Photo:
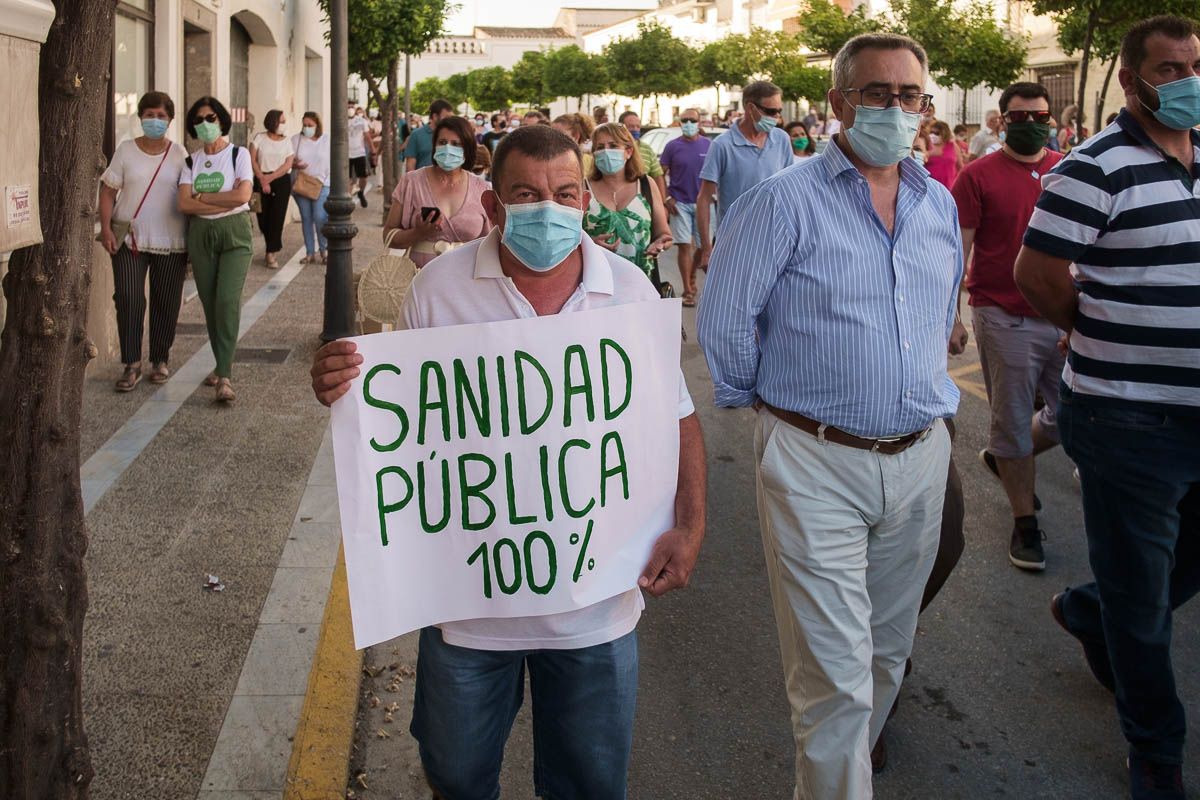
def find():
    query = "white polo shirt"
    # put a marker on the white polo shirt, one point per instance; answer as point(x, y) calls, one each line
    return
point(466, 286)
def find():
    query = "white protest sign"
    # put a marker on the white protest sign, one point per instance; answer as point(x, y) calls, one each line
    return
point(506, 469)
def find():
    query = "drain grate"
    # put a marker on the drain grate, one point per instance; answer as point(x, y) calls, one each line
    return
point(261, 355)
point(191, 329)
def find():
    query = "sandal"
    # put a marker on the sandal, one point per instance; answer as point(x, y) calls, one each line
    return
point(212, 379)
point(271, 262)
point(225, 391)
point(159, 373)
point(129, 378)
point(324, 257)
point(689, 299)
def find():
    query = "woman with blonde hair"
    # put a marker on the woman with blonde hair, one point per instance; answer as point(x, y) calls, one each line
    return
point(580, 128)
point(627, 214)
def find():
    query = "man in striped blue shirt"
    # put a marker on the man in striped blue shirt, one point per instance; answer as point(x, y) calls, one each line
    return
point(1112, 256)
point(833, 319)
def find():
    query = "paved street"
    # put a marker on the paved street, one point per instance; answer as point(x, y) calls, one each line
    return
point(999, 704)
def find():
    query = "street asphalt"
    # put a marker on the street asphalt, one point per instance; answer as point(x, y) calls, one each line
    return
point(999, 703)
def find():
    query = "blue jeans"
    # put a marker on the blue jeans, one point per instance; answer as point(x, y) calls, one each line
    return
point(1139, 469)
point(583, 704)
point(313, 219)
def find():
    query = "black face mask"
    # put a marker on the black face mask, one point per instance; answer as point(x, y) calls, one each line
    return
point(1027, 138)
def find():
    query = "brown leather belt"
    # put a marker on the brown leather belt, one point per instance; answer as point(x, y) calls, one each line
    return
point(827, 433)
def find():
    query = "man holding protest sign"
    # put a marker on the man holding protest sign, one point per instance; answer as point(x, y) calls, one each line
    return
point(582, 662)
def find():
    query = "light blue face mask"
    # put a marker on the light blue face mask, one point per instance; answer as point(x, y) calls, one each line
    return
point(449, 156)
point(155, 128)
point(1178, 103)
point(883, 136)
point(764, 124)
point(690, 128)
point(610, 162)
point(542, 235)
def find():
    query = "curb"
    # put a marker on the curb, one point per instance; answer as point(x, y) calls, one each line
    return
point(320, 761)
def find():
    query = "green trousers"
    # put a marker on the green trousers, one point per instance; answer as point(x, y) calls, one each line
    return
point(220, 251)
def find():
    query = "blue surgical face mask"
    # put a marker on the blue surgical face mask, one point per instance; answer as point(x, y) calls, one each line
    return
point(448, 156)
point(155, 128)
point(690, 128)
point(610, 162)
point(309, 131)
point(636, 135)
point(764, 124)
point(882, 136)
point(542, 235)
point(1178, 103)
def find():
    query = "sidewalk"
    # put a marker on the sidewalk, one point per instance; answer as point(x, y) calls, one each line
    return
point(190, 692)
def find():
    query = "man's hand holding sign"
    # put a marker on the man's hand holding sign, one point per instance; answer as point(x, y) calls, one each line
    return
point(514, 475)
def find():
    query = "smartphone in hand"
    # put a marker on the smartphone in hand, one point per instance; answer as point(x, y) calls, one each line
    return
point(430, 214)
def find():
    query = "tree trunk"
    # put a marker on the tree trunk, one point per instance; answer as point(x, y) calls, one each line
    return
point(717, 110)
point(43, 354)
point(1112, 66)
point(1085, 61)
point(407, 87)
point(962, 119)
point(387, 154)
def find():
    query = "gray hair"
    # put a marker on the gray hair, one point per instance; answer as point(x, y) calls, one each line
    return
point(843, 62)
point(758, 91)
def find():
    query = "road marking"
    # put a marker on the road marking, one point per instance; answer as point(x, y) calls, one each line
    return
point(970, 387)
point(101, 471)
point(320, 762)
point(965, 369)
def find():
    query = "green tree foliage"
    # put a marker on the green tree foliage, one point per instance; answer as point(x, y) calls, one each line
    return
point(826, 27)
point(570, 72)
point(725, 62)
point(490, 88)
point(653, 62)
point(771, 53)
point(965, 44)
point(458, 89)
point(802, 82)
point(529, 79)
point(1093, 28)
point(427, 90)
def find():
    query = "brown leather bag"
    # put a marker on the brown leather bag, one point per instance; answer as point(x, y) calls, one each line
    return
point(306, 185)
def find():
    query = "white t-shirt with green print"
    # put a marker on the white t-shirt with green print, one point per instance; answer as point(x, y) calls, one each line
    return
point(217, 173)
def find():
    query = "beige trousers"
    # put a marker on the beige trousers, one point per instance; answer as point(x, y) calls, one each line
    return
point(849, 537)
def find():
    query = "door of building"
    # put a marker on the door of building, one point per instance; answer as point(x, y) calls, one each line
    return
point(1059, 81)
point(239, 81)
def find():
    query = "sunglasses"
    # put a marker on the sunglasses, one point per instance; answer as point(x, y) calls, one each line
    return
point(770, 112)
point(688, 119)
point(205, 118)
point(1027, 116)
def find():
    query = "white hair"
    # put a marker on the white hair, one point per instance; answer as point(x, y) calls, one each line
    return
point(843, 62)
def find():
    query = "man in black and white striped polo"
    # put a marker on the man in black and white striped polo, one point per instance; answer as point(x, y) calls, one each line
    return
point(1125, 207)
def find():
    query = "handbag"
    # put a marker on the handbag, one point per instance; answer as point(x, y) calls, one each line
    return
point(306, 185)
point(255, 202)
point(121, 228)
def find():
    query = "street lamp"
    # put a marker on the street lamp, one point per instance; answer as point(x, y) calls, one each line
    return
point(340, 230)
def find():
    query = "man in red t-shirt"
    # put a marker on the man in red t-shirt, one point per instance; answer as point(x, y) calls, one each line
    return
point(1018, 350)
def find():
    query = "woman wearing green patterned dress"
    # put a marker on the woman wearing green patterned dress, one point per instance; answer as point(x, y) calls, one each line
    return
point(626, 214)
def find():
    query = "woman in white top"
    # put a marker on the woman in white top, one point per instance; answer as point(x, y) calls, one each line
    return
point(137, 198)
point(272, 155)
point(311, 146)
point(214, 189)
point(137, 194)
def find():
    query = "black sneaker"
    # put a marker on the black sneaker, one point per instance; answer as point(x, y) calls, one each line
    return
point(1094, 653)
point(362, 198)
point(1152, 780)
point(989, 461)
point(1025, 550)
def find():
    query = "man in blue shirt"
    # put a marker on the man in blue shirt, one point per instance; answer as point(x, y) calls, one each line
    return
point(754, 149)
point(833, 321)
point(682, 159)
point(418, 152)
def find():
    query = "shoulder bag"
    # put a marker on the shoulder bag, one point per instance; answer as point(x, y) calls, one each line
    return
point(120, 228)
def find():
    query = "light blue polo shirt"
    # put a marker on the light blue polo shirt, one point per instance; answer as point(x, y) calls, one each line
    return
point(736, 164)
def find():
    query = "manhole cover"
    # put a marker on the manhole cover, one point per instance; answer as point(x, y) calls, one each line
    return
point(191, 329)
point(261, 355)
